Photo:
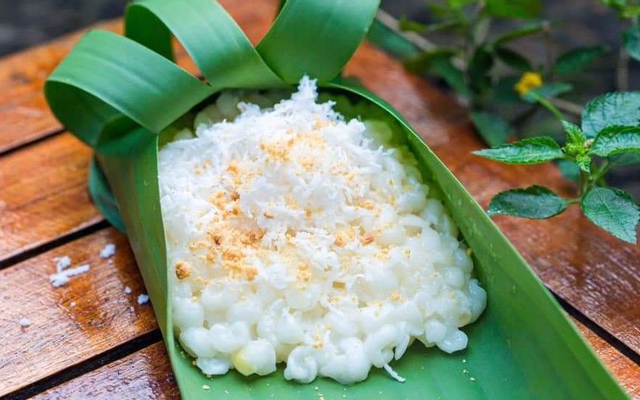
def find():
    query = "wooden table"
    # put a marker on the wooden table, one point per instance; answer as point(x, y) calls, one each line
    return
point(90, 338)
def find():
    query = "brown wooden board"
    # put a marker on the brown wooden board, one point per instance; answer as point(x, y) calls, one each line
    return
point(145, 374)
point(89, 316)
point(43, 200)
point(43, 194)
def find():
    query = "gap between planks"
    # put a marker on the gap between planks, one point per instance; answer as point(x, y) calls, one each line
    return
point(94, 363)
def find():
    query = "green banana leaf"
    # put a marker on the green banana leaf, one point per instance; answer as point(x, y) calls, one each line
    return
point(118, 94)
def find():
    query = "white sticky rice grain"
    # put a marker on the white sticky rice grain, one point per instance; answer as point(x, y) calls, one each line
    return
point(108, 251)
point(143, 299)
point(295, 235)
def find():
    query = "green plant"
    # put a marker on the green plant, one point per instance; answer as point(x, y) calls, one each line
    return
point(483, 67)
point(629, 12)
point(609, 137)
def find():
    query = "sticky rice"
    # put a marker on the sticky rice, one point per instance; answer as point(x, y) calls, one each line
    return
point(295, 235)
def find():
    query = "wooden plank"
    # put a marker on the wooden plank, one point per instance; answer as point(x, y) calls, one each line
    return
point(147, 373)
point(588, 269)
point(591, 270)
point(24, 115)
point(625, 370)
point(43, 194)
point(69, 324)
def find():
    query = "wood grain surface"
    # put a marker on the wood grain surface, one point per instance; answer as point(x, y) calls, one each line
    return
point(43, 194)
point(146, 373)
point(90, 315)
point(43, 200)
point(24, 114)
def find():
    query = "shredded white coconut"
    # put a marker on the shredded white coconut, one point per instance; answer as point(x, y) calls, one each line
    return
point(143, 299)
point(294, 235)
point(127, 290)
point(108, 251)
point(62, 263)
point(393, 373)
point(63, 276)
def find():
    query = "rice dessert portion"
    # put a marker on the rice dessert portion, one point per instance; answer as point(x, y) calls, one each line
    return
point(297, 236)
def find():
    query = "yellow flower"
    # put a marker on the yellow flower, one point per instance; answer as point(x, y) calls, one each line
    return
point(528, 81)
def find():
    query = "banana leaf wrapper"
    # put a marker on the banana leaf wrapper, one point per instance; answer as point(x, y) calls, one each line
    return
point(119, 93)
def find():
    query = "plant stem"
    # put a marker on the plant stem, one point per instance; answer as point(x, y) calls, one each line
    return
point(583, 183)
point(604, 168)
point(622, 70)
point(546, 29)
point(567, 106)
point(546, 104)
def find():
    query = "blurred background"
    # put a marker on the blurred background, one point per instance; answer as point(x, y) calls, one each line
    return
point(25, 23)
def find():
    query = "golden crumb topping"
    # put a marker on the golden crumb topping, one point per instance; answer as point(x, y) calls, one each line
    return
point(183, 270)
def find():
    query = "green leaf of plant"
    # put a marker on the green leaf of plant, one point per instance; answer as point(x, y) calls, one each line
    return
point(569, 169)
point(614, 210)
point(450, 73)
point(533, 150)
point(631, 11)
point(534, 202)
point(578, 59)
point(440, 11)
point(574, 133)
point(547, 91)
point(623, 160)
point(493, 129)
point(584, 162)
point(525, 9)
point(458, 4)
point(616, 139)
point(528, 29)
point(513, 59)
point(423, 61)
point(618, 108)
point(479, 68)
point(631, 41)
point(406, 25)
point(504, 92)
point(390, 40)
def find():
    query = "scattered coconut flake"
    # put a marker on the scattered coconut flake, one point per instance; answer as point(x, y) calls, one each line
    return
point(131, 309)
point(206, 387)
point(127, 290)
point(62, 263)
point(143, 299)
point(73, 304)
point(108, 251)
point(62, 277)
point(393, 373)
point(25, 322)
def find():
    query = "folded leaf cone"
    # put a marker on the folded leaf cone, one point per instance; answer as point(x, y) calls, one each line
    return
point(118, 93)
